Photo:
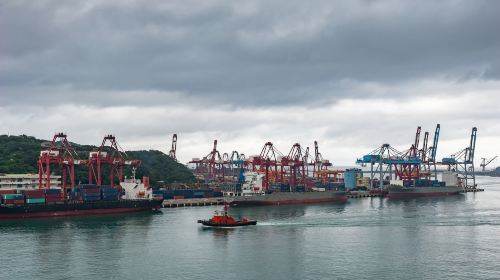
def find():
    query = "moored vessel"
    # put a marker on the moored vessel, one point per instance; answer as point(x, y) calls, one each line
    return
point(283, 198)
point(451, 185)
point(253, 194)
point(410, 192)
point(132, 196)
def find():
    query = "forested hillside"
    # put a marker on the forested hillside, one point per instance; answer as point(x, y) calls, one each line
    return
point(19, 154)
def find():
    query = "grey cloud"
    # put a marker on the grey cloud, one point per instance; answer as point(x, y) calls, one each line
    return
point(249, 53)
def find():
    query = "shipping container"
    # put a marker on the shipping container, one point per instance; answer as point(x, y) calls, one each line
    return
point(168, 194)
point(158, 196)
point(218, 194)
point(39, 191)
point(13, 196)
point(110, 197)
point(84, 196)
point(87, 186)
point(208, 194)
point(188, 194)
point(8, 192)
point(54, 195)
point(53, 191)
point(13, 201)
point(34, 196)
point(35, 200)
point(90, 191)
point(91, 198)
point(178, 192)
point(53, 199)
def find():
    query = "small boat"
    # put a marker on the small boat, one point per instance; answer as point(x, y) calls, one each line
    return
point(222, 219)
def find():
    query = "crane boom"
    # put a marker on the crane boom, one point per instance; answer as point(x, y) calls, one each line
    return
point(435, 142)
point(485, 162)
point(173, 149)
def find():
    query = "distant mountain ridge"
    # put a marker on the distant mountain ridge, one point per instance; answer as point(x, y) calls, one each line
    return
point(19, 154)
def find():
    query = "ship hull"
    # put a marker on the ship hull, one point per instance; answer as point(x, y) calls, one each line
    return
point(27, 211)
point(399, 193)
point(209, 223)
point(286, 198)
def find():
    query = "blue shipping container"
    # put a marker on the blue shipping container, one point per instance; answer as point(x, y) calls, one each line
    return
point(88, 186)
point(178, 193)
point(91, 198)
point(218, 194)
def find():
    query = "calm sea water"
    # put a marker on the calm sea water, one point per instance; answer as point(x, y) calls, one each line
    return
point(440, 238)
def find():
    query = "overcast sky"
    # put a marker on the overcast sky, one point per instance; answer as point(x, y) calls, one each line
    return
point(350, 74)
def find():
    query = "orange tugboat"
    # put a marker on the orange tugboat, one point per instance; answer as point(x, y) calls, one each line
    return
point(222, 219)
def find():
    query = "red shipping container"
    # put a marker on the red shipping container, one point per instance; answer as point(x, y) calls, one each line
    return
point(54, 196)
point(13, 201)
point(34, 191)
point(90, 190)
point(34, 195)
point(8, 192)
point(54, 199)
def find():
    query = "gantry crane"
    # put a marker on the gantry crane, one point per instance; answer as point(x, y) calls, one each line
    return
point(62, 154)
point(463, 162)
point(173, 149)
point(112, 156)
point(485, 162)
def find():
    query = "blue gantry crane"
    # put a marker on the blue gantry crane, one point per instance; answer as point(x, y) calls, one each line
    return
point(463, 162)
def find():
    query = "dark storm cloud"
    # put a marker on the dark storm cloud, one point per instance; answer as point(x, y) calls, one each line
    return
point(269, 52)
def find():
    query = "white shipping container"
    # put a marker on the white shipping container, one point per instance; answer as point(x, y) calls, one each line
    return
point(397, 182)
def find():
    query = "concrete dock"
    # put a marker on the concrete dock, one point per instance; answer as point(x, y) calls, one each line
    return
point(193, 202)
point(171, 203)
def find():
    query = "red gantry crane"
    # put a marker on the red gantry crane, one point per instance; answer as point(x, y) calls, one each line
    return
point(267, 163)
point(61, 154)
point(295, 165)
point(112, 156)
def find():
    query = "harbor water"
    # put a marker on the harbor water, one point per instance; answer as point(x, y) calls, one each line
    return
point(456, 237)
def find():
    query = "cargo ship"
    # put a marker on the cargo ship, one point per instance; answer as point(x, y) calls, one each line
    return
point(426, 188)
point(132, 196)
point(253, 194)
point(410, 192)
